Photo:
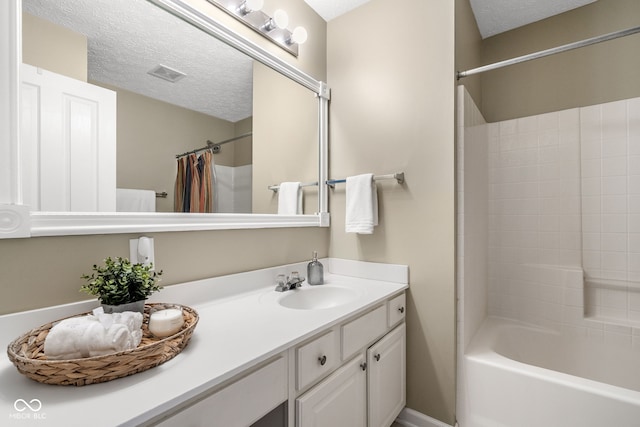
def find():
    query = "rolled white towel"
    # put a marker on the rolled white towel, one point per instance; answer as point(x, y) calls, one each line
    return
point(65, 339)
point(93, 335)
point(112, 340)
point(132, 320)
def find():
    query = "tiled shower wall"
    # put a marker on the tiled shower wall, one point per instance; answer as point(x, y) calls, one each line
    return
point(472, 220)
point(233, 189)
point(534, 216)
point(563, 196)
point(610, 155)
point(472, 232)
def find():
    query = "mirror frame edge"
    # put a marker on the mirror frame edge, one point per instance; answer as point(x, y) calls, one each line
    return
point(16, 221)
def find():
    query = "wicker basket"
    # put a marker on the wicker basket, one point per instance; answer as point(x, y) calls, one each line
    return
point(27, 354)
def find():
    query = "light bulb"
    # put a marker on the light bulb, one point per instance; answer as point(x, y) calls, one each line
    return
point(254, 5)
point(280, 18)
point(299, 35)
point(249, 6)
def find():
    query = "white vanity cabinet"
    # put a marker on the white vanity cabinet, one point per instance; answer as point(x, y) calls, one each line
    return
point(239, 403)
point(368, 390)
point(253, 360)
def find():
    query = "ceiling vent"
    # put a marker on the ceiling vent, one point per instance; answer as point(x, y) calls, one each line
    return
point(166, 73)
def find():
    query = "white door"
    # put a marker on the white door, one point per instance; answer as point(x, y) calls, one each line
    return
point(68, 138)
point(338, 401)
point(386, 363)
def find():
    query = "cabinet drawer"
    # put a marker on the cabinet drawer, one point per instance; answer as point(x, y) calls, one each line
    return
point(317, 358)
point(264, 389)
point(358, 333)
point(397, 309)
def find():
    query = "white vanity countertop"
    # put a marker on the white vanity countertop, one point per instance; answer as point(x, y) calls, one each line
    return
point(240, 326)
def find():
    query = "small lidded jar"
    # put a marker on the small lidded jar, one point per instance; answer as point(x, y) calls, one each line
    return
point(166, 321)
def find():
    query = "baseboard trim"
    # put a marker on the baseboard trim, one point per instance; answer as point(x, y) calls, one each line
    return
point(410, 418)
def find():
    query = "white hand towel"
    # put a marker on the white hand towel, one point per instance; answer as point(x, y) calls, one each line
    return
point(132, 200)
point(362, 204)
point(290, 198)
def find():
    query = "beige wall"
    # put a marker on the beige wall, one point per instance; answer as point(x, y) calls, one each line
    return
point(468, 48)
point(392, 110)
point(242, 148)
point(286, 139)
point(183, 256)
point(53, 47)
point(591, 75)
point(46, 271)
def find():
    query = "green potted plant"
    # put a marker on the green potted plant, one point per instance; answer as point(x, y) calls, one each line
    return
point(120, 285)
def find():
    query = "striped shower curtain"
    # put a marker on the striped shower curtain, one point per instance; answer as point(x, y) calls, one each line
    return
point(195, 183)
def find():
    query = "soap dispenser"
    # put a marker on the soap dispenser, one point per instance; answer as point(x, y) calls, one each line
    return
point(315, 271)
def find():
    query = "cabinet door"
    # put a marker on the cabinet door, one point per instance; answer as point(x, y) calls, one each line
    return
point(338, 401)
point(386, 363)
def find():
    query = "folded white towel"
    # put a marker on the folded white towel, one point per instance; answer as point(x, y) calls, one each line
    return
point(362, 204)
point(290, 198)
point(132, 200)
point(93, 335)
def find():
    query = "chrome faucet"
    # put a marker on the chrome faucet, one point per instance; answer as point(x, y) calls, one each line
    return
point(292, 282)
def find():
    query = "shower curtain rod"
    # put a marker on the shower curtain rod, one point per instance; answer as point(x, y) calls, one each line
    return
point(215, 146)
point(547, 52)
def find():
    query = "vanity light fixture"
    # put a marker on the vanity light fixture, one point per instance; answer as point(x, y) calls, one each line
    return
point(249, 6)
point(273, 28)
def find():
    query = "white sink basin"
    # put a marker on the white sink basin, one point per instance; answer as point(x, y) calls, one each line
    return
point(317, 297)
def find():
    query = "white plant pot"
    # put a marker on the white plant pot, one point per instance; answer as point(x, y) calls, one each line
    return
point(137, 306)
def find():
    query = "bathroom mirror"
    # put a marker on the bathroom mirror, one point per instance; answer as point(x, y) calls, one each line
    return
point(274, 136)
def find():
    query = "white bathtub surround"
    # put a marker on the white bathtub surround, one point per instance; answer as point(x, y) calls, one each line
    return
point(233, 189)
point(472, 231)
point(534, 214)
point(563, 189)
point(611, 210)
point(237, 331)
point(561, 198)
point(568, 382)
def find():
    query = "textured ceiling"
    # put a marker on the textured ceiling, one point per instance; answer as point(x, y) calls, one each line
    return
point(128, 38)
point(493, 16)
point(497, 16)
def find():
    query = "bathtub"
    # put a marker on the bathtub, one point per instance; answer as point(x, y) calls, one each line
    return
point(516, 375)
